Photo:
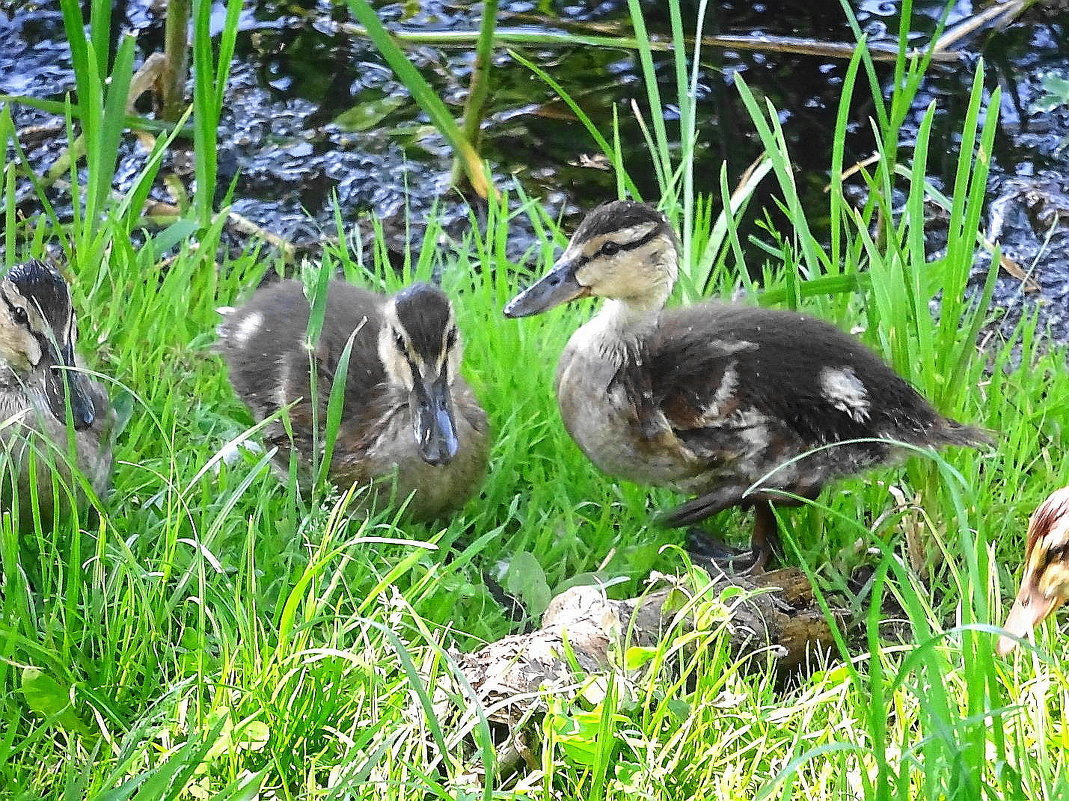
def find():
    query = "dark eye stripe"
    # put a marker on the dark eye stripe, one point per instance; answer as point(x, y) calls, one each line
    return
point(637, 243)
point(606, 247)
point(412, 366)
point(1055, 554)
point(17, 312)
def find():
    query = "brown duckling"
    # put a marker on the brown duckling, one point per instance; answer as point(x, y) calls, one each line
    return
point(40, 383)
point(1045, 583)
point(715, 400)
point(410, 424)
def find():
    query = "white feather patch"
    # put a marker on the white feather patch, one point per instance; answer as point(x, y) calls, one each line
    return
point(844, 391)
point(712, 413)
point(245, 329)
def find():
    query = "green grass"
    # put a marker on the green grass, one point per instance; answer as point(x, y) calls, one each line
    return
point(214, 632)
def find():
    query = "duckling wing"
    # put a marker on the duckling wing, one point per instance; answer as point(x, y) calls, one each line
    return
point(729, 378)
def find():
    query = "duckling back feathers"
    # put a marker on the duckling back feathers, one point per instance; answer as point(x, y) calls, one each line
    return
point(263, 343)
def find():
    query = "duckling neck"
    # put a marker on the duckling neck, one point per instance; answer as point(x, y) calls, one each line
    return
point(621, 325)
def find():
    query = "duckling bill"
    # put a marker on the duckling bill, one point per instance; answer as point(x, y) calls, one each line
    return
point(1045, 582)
point(40, 384)
point(410, 424)
point(716, 401)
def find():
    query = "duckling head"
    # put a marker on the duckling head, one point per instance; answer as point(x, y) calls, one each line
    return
point(622, 250)
point(1045, 583)
point(37, 337)
point(419, 346)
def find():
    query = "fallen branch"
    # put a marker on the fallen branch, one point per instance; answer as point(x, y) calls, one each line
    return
point(770, 617)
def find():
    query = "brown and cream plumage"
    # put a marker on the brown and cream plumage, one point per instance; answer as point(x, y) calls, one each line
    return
point(715, 400)
point(1045, 581)
point(42, 389)
point(410, 424)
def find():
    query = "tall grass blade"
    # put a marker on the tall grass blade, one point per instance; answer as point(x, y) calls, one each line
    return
point(423, 94)
point(662, 158)
point(176, 52)
point(205, 113)
point(104, 155)
point(611, 152)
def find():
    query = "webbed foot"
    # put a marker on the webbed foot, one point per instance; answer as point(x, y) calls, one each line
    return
point(711, 552)
point(764, 544)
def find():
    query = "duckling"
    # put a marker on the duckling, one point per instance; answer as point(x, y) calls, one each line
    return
point(1045, 583)
point(715, 400)
point(38, 331)
point(410, 424)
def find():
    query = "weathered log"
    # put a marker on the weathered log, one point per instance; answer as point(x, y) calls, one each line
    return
point(770, 617)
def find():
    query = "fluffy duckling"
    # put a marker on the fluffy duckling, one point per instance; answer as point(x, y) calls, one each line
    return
point(1045, 583)
point(39, 382)
point(410, 424)
point(715, 400)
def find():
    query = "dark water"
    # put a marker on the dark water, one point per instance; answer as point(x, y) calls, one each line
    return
point(312, 113)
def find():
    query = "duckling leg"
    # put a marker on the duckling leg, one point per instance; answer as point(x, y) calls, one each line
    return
point(704, 506)
point(703, 546)
point(765, 541)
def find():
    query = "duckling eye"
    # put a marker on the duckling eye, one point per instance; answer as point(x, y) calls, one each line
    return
point(399, 341)
point(451, 339)
point(20, 315)
point(610, 249)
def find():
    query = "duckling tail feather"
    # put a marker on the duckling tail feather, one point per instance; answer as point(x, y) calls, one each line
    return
point(955, 433)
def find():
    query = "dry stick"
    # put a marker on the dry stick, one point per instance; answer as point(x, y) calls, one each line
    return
point(165, 213)
point(880, 51)
point(584, 634)
point(999, 14)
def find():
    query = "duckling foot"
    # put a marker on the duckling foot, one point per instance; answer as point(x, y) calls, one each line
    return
point(706, 550)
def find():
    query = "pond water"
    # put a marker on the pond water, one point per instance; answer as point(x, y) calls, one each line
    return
point(313, 113)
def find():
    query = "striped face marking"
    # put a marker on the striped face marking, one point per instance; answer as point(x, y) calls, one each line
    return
point(419, 337)
point(419, 346)
point(38, 333)
point(1045, 583)
point(36, 312)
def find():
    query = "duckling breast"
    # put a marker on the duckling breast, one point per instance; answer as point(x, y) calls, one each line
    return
point(34, 434)
point(390, 463)
point(603, 420)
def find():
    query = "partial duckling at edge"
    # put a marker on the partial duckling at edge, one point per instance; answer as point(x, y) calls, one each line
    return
point(1045, 582)
point(41, 383)
point(410, 423)
point(716, 400)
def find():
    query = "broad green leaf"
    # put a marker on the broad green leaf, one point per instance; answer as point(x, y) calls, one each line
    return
point(366, 115)
point(527, 579)
point(49, 699)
